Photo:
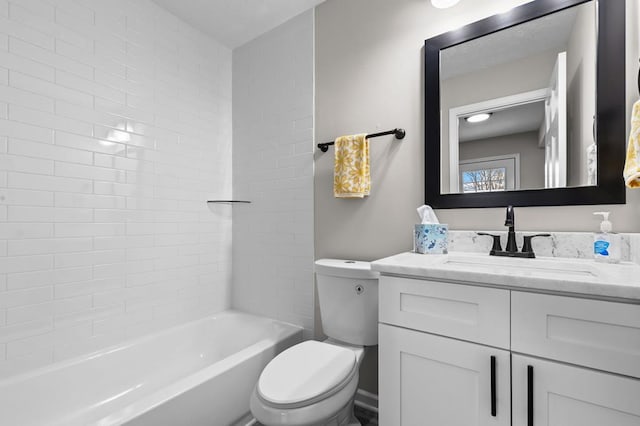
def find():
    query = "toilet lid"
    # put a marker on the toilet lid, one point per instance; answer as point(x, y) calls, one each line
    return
point(305, 371)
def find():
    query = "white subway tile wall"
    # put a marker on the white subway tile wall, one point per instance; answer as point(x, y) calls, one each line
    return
point(273, 167)
point(115, 128)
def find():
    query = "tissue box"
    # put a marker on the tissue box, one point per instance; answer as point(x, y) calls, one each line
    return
point(431, 238)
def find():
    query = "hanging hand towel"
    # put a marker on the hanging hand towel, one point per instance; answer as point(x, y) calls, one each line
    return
point(351, 173)
point(632, 164)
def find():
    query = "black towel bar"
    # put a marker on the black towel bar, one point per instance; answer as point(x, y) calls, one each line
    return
point(399, 134)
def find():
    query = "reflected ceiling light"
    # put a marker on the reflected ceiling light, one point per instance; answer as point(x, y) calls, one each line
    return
point(477, 118)
point(443, 4)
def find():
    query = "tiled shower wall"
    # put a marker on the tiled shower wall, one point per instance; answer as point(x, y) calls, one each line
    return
point(115, 127)
point(273, 167)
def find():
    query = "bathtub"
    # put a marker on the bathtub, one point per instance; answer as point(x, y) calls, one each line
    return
point(199, 373)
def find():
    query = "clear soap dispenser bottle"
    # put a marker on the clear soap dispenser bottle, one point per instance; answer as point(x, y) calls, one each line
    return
point(606, 244)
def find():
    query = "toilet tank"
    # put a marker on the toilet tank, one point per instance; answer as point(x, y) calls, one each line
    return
point(348, 300)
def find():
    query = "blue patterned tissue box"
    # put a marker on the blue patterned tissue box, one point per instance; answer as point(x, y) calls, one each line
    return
point(430, 238)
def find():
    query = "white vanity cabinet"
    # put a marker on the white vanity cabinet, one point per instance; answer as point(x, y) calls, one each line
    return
point(429, 379)
point(557, 360)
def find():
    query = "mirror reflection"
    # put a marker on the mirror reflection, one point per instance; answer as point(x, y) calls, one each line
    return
point(518, 106)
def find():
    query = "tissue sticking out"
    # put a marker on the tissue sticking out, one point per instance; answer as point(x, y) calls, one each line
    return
point(430, 236)
point(427, 215)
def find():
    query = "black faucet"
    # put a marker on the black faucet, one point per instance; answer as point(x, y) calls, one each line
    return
point(512, 247)
point(510, 221)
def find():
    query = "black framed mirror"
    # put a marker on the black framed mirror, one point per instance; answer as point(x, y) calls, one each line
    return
point(603, 143)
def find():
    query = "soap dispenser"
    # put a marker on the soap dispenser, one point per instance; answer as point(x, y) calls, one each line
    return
point(606, 244)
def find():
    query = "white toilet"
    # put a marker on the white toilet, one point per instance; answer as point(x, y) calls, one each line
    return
point(314, 383)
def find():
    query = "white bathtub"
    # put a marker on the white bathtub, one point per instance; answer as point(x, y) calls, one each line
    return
point(200, 373)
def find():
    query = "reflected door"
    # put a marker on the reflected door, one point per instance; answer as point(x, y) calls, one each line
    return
point(555, 140)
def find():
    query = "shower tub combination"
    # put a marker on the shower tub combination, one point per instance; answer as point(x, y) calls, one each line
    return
point(199, 373)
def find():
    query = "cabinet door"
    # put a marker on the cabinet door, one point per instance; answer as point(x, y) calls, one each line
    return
point(430, 380)
point(547, 393)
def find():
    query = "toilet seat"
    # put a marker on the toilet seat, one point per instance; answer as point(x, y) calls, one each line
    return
point(306, 374)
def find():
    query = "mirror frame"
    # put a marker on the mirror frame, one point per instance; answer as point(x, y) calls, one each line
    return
point(610, 111)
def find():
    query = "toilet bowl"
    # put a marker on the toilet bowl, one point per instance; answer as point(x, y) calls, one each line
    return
point(314, 383)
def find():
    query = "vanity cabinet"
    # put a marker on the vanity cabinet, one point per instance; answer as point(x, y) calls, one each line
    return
point(432, 380)
point(459, 355)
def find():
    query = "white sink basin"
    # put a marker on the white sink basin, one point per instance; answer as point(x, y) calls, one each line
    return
point(543, 267)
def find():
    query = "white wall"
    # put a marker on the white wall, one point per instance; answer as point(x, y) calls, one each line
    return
point(273, 167)
point(115, 127)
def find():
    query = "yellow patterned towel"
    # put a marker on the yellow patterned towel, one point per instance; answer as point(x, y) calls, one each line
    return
point(351, 173)
point(632, 164)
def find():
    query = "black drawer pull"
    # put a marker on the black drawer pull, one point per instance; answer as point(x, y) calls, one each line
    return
point(530, 395)
point(494, 409)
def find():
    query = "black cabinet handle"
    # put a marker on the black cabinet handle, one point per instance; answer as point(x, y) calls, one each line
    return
point(530, 395)
point(494, 409)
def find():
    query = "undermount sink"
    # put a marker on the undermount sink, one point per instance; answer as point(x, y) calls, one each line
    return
point(559, 267)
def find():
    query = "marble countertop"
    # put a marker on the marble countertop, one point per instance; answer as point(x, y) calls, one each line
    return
point(552, 274)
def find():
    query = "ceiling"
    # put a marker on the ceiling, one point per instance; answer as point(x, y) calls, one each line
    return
point(235, 22)
point(508, 121)
point(551, 32)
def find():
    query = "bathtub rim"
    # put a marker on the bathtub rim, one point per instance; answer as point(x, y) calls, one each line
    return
point(166, 394)
point(127, 343)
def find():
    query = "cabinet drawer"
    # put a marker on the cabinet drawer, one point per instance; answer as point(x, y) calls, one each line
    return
point(476, 314)
point(593, 333)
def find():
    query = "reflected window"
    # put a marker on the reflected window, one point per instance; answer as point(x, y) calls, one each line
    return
point(490, 174)
point(486, 180)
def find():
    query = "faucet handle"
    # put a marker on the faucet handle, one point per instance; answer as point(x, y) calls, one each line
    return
point(526, 246)
point(496, 242)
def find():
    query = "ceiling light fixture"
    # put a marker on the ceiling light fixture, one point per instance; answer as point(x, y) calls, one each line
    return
point(443, 4)
point(478, 118)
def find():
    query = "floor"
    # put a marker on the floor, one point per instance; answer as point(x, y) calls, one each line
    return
point(366, 417)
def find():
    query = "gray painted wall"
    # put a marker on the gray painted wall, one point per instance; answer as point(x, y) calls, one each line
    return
point(369, 76)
